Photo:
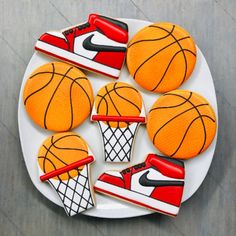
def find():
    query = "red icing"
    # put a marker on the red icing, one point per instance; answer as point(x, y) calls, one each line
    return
point(165, 167)
point(127, 180)
point(118, 118)
point(112, 31)
point(105, 58)
point(55, 41)
point(92, 17)
point(96, 23)
point(112, 180)
point(170, 194)
point(67, 168)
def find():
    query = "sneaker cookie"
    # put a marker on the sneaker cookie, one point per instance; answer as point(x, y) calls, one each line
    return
point(156, 184)
point(98, 45)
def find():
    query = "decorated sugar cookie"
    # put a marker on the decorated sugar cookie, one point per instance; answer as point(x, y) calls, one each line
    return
point(161, 57)
point(118, 109)
point(181, 124)
point(58, 96)
point(64, 161)
point(98, 45)
point(156, 184)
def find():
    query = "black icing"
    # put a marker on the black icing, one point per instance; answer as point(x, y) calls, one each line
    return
point(145, 181)
point(174, 161)
point(87, 44)
point(120, 24)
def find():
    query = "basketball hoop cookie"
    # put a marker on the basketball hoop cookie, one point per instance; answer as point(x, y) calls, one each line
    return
point(64, 161)
point(181, 124)
point(58, 96)
point(99, 45)
point(118, 109)
point(161, 57)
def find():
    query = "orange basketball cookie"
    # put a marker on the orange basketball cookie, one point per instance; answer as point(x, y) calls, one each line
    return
point(118, 99)
point(181, 124)
point(58, 96)
point(161, 57)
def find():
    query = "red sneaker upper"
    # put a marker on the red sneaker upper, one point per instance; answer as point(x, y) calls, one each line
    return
point(167, 185)
point(111, 28)
point(168, 167)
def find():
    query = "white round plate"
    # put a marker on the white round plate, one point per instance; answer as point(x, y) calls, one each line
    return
point(32, 136)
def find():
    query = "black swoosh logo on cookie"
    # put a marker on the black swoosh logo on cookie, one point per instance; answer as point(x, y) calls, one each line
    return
point(87, 44)
point(145, 181)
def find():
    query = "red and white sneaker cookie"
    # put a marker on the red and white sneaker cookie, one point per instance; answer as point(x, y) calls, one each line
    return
point(98, 45)
point(156, 184)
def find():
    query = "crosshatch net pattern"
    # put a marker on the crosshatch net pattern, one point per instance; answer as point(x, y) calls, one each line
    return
point(118, 141)
point(75, 192)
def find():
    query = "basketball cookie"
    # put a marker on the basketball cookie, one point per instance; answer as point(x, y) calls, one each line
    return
point(118, 109)
point(63, 161)
point(58, 96)
point(161, 57)
point(98, 45)
point(181, 124)
point(156, 184)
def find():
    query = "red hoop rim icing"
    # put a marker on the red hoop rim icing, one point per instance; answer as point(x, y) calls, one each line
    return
point(139, 119)
point(67, 168)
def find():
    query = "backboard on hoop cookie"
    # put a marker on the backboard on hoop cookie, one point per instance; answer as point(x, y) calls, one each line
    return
point(118, 109)
point(64, 160)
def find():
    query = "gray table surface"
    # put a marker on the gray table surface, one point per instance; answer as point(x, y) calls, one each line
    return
point(24, 211)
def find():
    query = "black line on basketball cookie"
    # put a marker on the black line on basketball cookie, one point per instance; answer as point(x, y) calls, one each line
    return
point(90, 104)
point(157, 53)
point(53, 143)
point(185, 60)
point(192, 108)
point(188, 130)
point(47, 108)
point(71, 106)
point(103, 97)
point(156, 39)
point(70, 78)
point(52, 75)
point(58, 158)
point(115, 89)
point(157, 108)
point(45, 158)
point(203, 124)
point(56, 73)
point(112, 101)
point(105, 103)
point(73, 149)
point(163, 76)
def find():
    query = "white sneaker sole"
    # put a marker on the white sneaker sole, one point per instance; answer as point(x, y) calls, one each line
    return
point(76, 59)
point(136, 198)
